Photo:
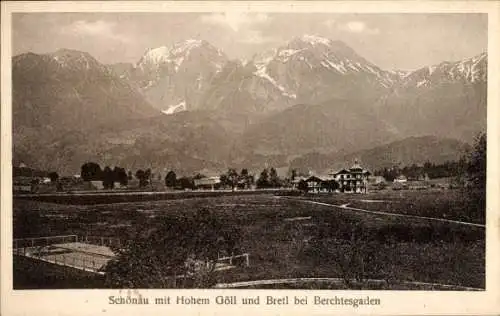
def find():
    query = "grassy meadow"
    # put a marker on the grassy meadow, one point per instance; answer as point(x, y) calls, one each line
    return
point(288, 238)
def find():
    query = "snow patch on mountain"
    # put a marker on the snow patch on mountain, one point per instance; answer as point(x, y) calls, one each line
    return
point(285, 54)
point(75, 59)
point(176, 55)
point(315, 40)
point(470, 70)
point(181, 106)
point(431, 69)
point(262, 72)
point(339, 67)
point(422, 83)
point(177, 62)
point(157, 55)
point(185, 46)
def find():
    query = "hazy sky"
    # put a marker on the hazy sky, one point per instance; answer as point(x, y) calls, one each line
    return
point(391, 41)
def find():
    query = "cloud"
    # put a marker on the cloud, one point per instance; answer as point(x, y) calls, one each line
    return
point(255, 37)
point(97, 28)
point(235, 20)
point(358, 27)
point(330, 23)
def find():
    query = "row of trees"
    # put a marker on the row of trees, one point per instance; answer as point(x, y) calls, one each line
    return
point(230, 179)
point(433, 171)
point(269, 179)
point(469, 166)
point(91, 171)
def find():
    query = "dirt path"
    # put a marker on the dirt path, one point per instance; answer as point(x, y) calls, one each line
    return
point(337, 281)
point(346, 207)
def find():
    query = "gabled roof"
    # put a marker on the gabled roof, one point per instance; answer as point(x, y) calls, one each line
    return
point(343, 171)
point(314, 178)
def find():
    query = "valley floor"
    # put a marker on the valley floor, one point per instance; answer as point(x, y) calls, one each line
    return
point(288, 237)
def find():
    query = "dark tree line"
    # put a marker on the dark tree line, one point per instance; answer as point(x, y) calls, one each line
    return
point(183, 183)
point(471, 166)
point(433, 171)
point(476, 172)
point(92, 171)
point(269, 179)
point(234, 180)
point(28, 172)
point(144, 177)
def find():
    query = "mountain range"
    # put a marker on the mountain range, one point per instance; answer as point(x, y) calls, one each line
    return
point(189, 107)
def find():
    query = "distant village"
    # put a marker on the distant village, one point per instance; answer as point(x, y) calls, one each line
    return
point(352, 179)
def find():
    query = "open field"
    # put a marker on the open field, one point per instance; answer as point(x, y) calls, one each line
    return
point(445, 204)
point(287, 238)
point(117, 196)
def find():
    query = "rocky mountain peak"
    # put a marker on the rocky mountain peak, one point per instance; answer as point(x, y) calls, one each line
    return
point(156, 55)
point(469, 70)
point(74, 59)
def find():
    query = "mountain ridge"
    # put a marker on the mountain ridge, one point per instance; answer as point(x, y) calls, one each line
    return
point(68, 107)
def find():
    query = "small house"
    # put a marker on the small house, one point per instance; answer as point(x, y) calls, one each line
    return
point(374, 180)
point(207, 183)
point(317, 184)
point(314, 184)
point(401, 179)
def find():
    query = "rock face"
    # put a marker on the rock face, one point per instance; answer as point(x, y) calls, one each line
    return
point(173, 79)
point(71, 90)
point(307, 70)
point(446, 100)
point(189, 107)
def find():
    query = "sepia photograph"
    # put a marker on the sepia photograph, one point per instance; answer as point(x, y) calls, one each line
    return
point(249, 150)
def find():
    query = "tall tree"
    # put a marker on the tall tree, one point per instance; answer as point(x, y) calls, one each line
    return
point(232, 176)
point(244, 178)
point(263, 181)
point(476, 173)
point(120, 176)
point(224, 180)
point(170, 179)
point(148, 174)
point(244, 172)
point(274, 180)
point(91, 171)
point(54, 176)
point(476, 168)
point(108, 178)
point(142, 177)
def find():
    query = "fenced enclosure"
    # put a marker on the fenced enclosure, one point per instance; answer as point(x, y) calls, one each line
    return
point(51, 240)
point(43, 241)
point(92, 253)
point(86, 253)
point(232, 260)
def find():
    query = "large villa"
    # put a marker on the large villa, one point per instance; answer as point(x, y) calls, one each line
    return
point(354, 179)
point(351, 180)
